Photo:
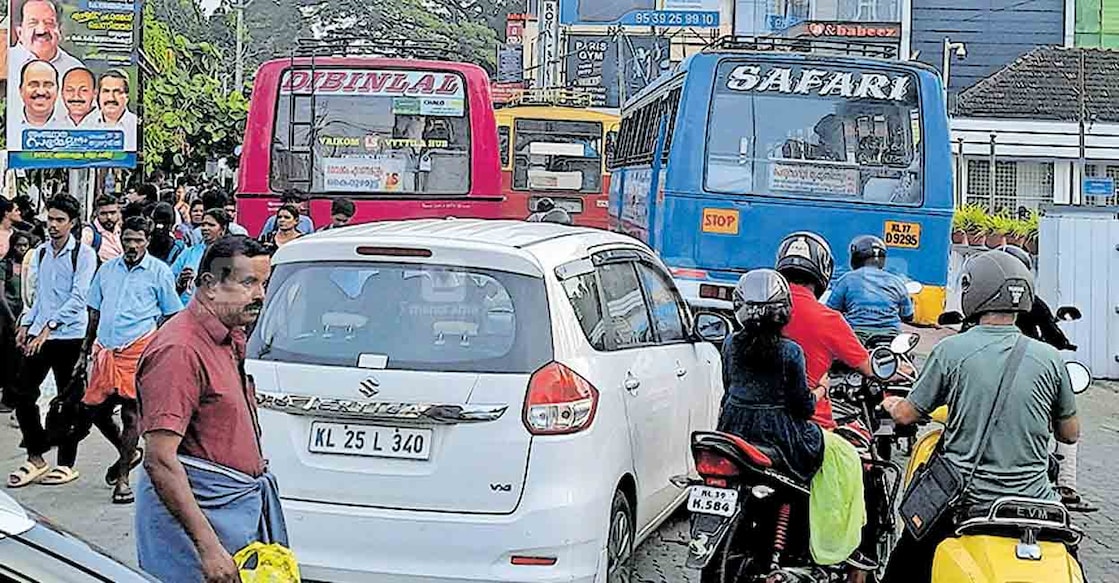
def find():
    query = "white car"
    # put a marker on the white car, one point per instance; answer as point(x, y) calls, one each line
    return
point(466, 400)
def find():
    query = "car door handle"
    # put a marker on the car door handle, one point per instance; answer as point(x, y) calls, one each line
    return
point(631, 383)
point(681, 372)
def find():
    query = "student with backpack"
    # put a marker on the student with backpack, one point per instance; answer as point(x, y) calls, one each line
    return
point(51, 333)
point(103, 232)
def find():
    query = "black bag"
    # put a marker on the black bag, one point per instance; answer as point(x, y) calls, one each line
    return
point(66, 414)
point(938, 484)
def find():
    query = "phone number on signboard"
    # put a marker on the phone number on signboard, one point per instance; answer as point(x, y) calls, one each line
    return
point(657, 18)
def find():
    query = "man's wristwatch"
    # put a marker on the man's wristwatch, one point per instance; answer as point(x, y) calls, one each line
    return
point(53, 325)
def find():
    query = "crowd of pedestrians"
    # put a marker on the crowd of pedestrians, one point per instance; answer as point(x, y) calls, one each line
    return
point(139, 309)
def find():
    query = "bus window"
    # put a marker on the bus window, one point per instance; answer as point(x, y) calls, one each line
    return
point(503, 144)
point(373, 142)
point(815, 132)
point(557, 155)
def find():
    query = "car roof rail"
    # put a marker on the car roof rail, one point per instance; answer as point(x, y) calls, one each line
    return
point(775, 44)
point(384, 47)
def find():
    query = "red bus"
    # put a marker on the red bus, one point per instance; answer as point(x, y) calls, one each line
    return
point(560, 153)
point(403, 138)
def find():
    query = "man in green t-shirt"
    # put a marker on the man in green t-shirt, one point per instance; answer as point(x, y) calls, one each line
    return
point(964, 373)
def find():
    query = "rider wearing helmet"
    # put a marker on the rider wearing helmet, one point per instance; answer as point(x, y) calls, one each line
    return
point(805, 260)
point(873, 300)
point(1040, 324)
point(767, 401)
point(965, 371)
point(548, 212)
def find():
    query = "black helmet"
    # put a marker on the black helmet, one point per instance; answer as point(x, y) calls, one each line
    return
point(868, 249)
point(995, 282)
point(806, 256)
point(545, 204)
point(1019, 254)
point(762, 295)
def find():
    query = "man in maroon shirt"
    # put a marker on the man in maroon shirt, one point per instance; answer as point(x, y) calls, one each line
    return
point(199, 421)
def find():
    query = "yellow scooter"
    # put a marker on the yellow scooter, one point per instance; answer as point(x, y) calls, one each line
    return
point(1017, 539)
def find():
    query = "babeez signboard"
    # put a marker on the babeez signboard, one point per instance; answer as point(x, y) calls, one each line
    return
point(72, 83)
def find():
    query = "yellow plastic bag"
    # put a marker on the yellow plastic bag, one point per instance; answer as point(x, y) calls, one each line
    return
point(261, 563)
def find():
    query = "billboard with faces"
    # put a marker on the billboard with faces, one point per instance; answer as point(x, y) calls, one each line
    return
point(72, 90)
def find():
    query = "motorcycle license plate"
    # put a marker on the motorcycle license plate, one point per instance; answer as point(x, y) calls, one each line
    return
point(717, 501)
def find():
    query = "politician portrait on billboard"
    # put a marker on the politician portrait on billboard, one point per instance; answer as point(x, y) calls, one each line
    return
point(72, 83)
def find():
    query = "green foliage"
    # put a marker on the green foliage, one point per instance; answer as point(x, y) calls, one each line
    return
point(456, 25)
point(188, 117)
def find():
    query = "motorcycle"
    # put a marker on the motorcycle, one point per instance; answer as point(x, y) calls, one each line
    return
point(1016, 539)
point(749, 519)
point(854, 395)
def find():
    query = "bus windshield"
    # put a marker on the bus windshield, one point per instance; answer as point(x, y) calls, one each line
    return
point(822, 132)
point(557, 155)
point(372, 132)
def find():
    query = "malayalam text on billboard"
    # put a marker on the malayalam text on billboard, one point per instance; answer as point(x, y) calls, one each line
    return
point(72, 90)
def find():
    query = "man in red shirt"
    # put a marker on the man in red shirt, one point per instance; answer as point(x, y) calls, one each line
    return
point(806, 261)
point(205, 492)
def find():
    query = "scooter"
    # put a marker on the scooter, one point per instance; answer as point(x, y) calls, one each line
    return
point(749, 518)
point(1017, 539)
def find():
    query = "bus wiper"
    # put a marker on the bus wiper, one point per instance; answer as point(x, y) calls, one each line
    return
point(267, 348)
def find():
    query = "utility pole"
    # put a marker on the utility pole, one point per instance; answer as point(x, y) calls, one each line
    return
point(239, 76)
point(1081, 115)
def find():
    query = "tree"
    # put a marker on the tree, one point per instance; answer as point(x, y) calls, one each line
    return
point(271, 29)
point(455, 26)
point(188, 117)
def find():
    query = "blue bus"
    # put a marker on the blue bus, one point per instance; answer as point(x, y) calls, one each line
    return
point(737, 147)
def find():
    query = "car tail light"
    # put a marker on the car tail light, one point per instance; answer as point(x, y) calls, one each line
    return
point(712, 465)
point(559, 401)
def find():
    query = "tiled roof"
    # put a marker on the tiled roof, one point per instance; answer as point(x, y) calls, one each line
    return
point(1044, 84)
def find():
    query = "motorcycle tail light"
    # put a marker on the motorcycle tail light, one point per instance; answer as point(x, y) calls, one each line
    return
point(712, 465)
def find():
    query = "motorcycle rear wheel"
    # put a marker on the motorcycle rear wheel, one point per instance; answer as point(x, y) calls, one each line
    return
point(728, 565)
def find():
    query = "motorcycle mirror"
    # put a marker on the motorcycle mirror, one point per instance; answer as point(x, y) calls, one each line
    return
point(883, 363)
point(712, 327)
point(1080, 376)
point(904, 343)
point(1069, 313)
point(913, 287)
point(950, 319)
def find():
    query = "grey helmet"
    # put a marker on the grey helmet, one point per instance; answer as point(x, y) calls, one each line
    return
point(762, 294)
point(806, 255)
point(996, 281)
point(1019, 254)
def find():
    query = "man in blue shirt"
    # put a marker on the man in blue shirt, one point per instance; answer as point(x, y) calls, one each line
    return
point(51, 334)
point(871, 299)
point(130, 296)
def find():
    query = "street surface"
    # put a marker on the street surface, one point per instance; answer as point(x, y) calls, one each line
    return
point(84, 507)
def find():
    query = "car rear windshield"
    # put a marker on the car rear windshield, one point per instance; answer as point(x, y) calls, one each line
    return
point(404, 317)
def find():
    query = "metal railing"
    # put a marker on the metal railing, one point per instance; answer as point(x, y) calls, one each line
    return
point(802, 45)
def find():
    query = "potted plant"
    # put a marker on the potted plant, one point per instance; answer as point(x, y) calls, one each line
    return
point(973, 220)
point(1032, 227)
point(997, 228)
point(1019, 230)
point(960, 224)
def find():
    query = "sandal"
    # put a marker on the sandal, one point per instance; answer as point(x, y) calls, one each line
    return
point(110, 474)
point(59, 476)
point(123, 495)
point(28, 473)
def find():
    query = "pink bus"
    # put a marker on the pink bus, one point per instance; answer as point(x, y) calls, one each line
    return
point(402, 138)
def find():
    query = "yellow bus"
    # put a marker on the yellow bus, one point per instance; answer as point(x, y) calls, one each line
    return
point(559, 152)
